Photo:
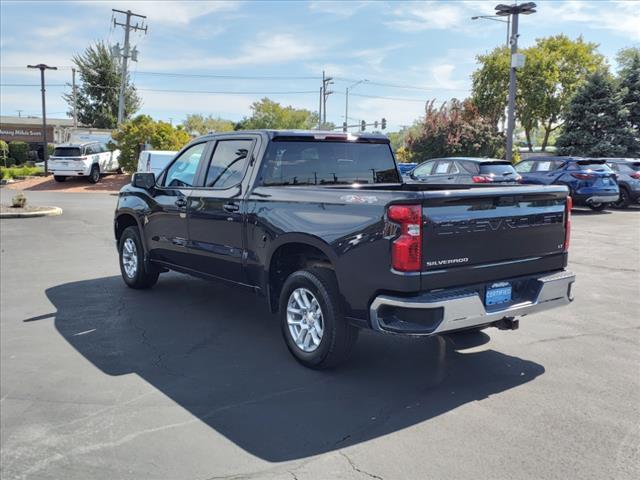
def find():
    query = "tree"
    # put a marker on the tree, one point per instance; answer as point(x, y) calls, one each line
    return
point(198, 124)
point(596, 124)
point(141, 130)
point(19, 152)
point(455, 129)
point(555, 67)
point(629, 74)
point(99, 89)
point(4, 152)
point(269, 114)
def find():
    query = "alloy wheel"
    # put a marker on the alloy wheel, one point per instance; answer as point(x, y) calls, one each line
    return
point(130, 257)
point(305, 320)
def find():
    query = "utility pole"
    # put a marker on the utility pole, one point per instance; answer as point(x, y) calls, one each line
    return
point(45, 151)
point(75, 98)
point(19, 113)
point(326, 81)
point(515, 62)
point(126, 53)
point(320, 110)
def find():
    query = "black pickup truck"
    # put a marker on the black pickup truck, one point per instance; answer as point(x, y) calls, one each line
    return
point(322, 226)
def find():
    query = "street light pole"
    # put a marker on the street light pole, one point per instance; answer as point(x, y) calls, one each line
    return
point(513, 11)
point(511, 113)
point(495, 19)
point(45, 152)
point(346, 103)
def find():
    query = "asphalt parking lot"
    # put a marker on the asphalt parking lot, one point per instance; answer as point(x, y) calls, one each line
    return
point(191, 380)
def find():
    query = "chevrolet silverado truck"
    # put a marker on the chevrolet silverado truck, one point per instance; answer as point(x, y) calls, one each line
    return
point(322, 226)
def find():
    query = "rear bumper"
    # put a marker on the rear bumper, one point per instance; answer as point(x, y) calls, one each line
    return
point(459, 309)
point(587, 199)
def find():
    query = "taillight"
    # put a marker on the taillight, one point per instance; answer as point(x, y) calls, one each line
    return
point(582, 176)
point(481, 179)
point(635, 175)
point(406, 250)
point(567, 224)
point(519, 179)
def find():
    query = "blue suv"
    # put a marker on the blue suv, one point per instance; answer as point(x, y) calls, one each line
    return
point(591, 182)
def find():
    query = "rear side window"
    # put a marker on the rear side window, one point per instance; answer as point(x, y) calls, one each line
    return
point(228, 163)
point(293, 162)
point(497, 169)
point(66, 152)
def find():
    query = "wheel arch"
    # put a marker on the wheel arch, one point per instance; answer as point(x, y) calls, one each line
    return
point(292, 253)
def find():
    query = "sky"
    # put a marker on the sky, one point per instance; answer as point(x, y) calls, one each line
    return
point(216, 58)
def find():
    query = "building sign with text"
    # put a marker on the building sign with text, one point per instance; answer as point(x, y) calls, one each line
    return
point(24, 133)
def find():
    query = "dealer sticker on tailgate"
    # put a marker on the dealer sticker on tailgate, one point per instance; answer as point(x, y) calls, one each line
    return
point(498, 293)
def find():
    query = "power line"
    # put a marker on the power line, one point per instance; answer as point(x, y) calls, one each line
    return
point(230, 77)
point(408, 87)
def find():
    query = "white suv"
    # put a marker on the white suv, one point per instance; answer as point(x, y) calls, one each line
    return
point(89, 159)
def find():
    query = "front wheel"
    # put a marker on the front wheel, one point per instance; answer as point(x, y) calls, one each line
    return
point(135, 273)
point(312, 321)
point(597, 207)
point(94, 175)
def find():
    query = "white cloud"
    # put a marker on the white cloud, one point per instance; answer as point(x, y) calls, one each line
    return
point(620, 18)
point(171, 12)
point(265, 49)
point(336, 8)
point(415, 17)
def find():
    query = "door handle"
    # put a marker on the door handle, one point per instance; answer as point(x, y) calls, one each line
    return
point(231, 207)
point(181, 203)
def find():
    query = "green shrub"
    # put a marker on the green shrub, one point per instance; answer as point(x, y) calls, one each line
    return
point(12, 172)
point(19, 151)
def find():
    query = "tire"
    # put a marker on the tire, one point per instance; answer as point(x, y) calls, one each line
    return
point(333, 345)
point(94, 175)
point(625, 199)
point(598, 207)
point(59, 178)
point(135, 272)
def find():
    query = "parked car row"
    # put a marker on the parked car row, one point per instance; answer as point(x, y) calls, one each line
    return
point(592, 182)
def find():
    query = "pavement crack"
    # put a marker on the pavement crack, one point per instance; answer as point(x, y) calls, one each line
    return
point(355, 468)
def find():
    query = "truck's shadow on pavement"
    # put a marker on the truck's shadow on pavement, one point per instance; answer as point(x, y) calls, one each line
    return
point(216, 352)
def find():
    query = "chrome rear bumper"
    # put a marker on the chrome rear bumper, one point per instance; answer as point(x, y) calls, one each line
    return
point(459, 309)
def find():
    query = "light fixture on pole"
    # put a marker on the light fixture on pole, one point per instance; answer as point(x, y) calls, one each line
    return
point(516, 62)
point(496, 19)
point(45, 151)
point(346, 103)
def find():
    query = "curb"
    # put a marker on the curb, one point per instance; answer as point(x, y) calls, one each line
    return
point(49, 212)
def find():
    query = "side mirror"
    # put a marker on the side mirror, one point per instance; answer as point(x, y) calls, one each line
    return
point(144, 180)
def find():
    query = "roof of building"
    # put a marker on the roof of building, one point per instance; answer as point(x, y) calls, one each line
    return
point(35, 121)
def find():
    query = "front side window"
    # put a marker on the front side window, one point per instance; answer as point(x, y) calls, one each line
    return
point(524, 167)
point(228, 163)
point(182, 172)
point(304, 162)
point(424, 169)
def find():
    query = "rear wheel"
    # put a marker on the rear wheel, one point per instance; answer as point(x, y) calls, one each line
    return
point(135, 272)
point(597, 207)
point(625, 199)
point(59, 178)
point(94, 175)
point(312, 321)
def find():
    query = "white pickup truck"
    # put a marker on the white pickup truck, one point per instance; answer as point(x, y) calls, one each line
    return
point(87, 159)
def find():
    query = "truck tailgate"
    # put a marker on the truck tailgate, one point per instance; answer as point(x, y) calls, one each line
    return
point(482, 234)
